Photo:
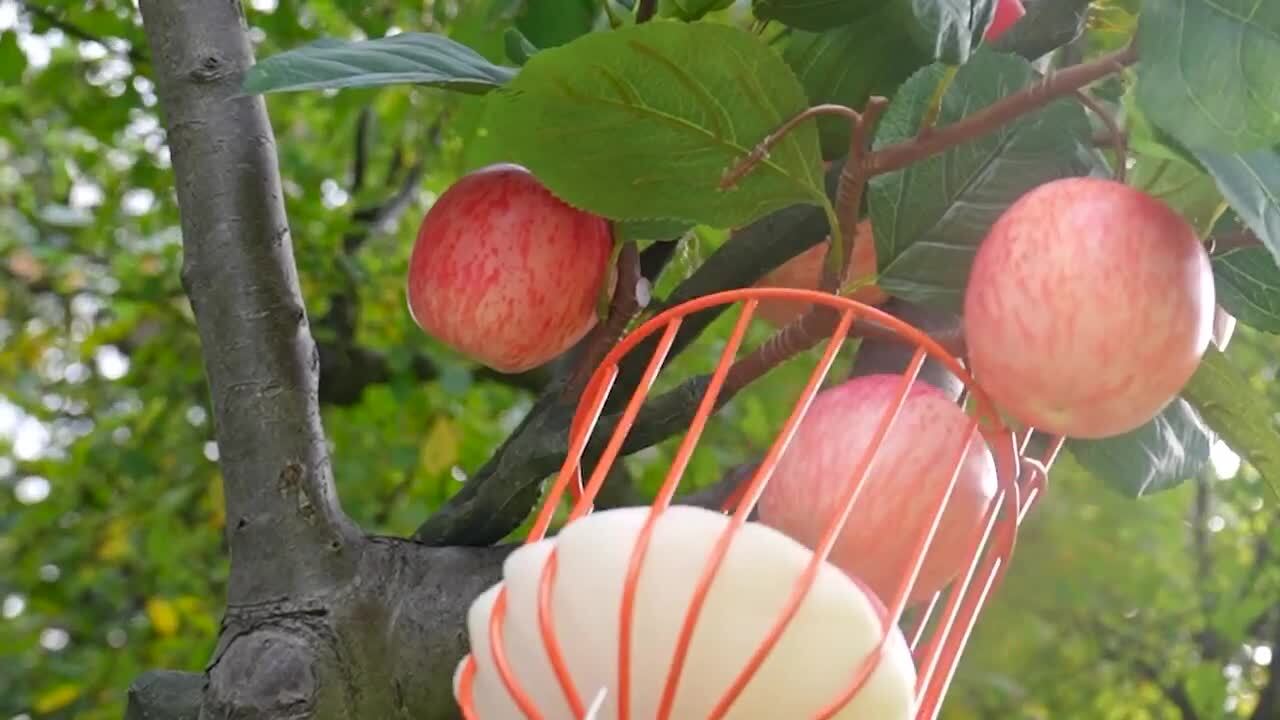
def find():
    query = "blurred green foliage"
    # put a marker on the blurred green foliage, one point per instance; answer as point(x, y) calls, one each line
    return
point(111, 554)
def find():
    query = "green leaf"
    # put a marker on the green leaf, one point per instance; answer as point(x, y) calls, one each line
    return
point(407, 58)
point(1247, 282)
point(643, 122)
point(1251, 184)
point(954, 27)
point(929, 218)
point(1239, 411)
point(1208, 71)
point(816, 15)
point(652, 229)
point(690, 10)
point(1158, 456)
point(849, 64)
point(950, 29)
point(1181, 186)
point(519, 49)
point(13, 62)
point(548, 24)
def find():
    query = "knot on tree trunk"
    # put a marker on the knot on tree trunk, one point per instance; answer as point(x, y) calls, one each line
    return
point(277, 673)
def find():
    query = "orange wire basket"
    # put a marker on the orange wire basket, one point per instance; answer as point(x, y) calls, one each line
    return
point(936, 633)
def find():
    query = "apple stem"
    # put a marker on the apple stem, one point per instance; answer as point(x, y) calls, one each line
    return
point(761, 150)
point(1009, 108)
point(1119, 139)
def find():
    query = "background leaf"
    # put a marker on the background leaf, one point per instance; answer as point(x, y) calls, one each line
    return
point(1247, 282)
point(848, 64)
point(1160, 455)
point(929, 218)
point(1208, 71)
point(407, 58)
point(1251, 184)
point(816, 15)
point(954, 27)
point(1235, 408)
point(548, 24)
point(654, 115)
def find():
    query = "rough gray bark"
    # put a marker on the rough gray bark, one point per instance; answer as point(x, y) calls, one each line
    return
point(322, 621)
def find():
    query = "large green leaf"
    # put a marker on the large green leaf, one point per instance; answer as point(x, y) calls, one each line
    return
point(1251, 183)
point(1158, 456)
point(930, 217)
point(851, 63)
point(643, 122)
point(1208, 71)
point(407, 58)
point(1240, 412)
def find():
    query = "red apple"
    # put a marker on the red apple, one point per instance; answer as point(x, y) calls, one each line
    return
point(506, 273)
point(912, 468)
point(1008, 12)
point(1089, 306)
point(804, 271)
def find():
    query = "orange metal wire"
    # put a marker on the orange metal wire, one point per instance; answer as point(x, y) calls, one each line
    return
point(1021, 482)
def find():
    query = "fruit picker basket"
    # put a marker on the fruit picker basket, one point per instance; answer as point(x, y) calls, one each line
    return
point(852, 596)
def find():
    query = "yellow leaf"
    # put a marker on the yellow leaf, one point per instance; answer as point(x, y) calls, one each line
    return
point(115, 540)
point(213, 498)
point(53, 700)
point(163, 615)
point(440, 451)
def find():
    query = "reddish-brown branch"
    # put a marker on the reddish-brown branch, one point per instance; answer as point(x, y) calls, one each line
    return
point(853, 182)
point(1220, 244)
point(1119, 139)
point(761, 150)
point(629, 297)
point(1059, 84)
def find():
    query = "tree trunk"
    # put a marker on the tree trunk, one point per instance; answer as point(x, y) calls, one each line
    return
point(321, 621)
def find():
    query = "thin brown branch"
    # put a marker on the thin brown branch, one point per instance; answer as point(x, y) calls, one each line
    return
point(1119, 138)
point(1227, 242)
point(761, 150)
point(630, 296)
point(1061, 83)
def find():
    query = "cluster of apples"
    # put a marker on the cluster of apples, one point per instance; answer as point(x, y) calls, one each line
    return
point(1088, 307)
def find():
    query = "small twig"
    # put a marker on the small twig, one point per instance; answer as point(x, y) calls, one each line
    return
point(1223, 244)
point(645, 10)
point(1119, 138)
point(900, 155)
point(629, 297)
point(761, 150)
